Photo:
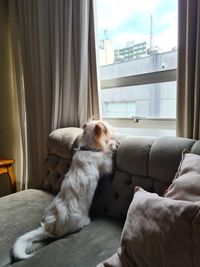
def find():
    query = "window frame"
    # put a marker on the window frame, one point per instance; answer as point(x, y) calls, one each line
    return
point(142, 79)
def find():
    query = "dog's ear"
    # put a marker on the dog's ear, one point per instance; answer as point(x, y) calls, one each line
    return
point(100, 128)
point(84, 126)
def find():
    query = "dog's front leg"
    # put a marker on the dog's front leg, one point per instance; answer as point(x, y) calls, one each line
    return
point(112, 145)
point(107, 164)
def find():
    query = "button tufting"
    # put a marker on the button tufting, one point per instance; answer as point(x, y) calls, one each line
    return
point(106, 210)
point(116, 195)
point(128, 182)
point(111, 177)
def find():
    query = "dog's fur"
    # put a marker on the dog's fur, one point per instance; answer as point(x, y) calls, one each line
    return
point(68, 212)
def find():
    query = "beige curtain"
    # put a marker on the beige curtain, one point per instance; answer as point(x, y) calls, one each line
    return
point(74, 57)
point(188, 83)
point(54, 62)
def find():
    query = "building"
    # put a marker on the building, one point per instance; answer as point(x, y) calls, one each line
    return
point(149, 100)
point(106, 52)
point(132, 51)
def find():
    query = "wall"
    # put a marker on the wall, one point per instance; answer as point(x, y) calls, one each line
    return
point(9, 126)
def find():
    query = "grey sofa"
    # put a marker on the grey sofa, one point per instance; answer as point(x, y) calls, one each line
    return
point(145, 161)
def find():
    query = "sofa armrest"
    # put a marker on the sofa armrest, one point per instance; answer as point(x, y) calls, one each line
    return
point(62, 141)
point(60, 144)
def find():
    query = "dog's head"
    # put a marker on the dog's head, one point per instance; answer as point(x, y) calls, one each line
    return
point(96, 134)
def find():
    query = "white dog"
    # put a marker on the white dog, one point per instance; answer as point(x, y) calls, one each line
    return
point(68, 212)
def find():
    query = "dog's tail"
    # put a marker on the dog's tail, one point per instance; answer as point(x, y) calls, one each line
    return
point(25, 242)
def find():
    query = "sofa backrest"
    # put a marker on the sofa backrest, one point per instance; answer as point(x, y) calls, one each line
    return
point(144, 161)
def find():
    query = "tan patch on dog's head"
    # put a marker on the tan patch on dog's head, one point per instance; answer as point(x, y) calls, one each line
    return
point(96, 134)
point(101, 135)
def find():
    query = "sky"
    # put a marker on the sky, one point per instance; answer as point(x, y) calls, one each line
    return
point(129, 20)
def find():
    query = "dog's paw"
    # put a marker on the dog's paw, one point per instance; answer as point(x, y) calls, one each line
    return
point(112, 145)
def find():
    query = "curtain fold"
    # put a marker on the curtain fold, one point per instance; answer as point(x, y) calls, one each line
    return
point(54, 63)
point(74, 63)
point(188, 82)
point(18, 83)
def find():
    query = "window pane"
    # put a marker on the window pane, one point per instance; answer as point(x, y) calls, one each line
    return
point(146, 131)
point(149, 100)
point(118, 109)
point(138, 37)
point(135, 30)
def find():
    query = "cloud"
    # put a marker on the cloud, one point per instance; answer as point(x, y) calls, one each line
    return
point(111, 13)
point(129, 20)
point(167, 36)
point(167, 39)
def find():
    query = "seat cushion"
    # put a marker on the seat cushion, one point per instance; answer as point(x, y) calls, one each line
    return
point(86, 248)
point(19, 213)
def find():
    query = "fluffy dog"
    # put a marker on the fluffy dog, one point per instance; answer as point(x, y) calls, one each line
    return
point(68, 212)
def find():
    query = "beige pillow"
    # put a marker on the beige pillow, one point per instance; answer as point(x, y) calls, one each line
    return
point(159, 232)
point(186, 184)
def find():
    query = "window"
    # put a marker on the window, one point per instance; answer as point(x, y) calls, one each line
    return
point(138, 61)
point(118, 109)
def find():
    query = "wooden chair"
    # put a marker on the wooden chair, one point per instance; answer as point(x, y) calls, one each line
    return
point(6, 166)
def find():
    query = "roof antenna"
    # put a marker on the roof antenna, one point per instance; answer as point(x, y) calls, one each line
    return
point(105, 34)
point(151, 31)
point(152, 49)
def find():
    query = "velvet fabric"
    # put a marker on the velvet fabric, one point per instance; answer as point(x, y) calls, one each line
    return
point(86, 248)
point(19, 213)
point(158, 232)
point(186, 185)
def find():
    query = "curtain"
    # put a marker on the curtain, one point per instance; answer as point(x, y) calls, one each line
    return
point(54, 64)
point(188, 81)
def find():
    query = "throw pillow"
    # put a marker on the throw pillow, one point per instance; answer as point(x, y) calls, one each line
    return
point(186, 184)
point(158, 232)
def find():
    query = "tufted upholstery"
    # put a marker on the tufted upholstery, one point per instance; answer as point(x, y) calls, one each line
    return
point(144, 161)
point(60, 144)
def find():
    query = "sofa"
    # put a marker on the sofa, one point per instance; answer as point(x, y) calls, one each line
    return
point(148, 162)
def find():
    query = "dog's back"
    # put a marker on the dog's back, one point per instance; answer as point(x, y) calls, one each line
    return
point(68, 212)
